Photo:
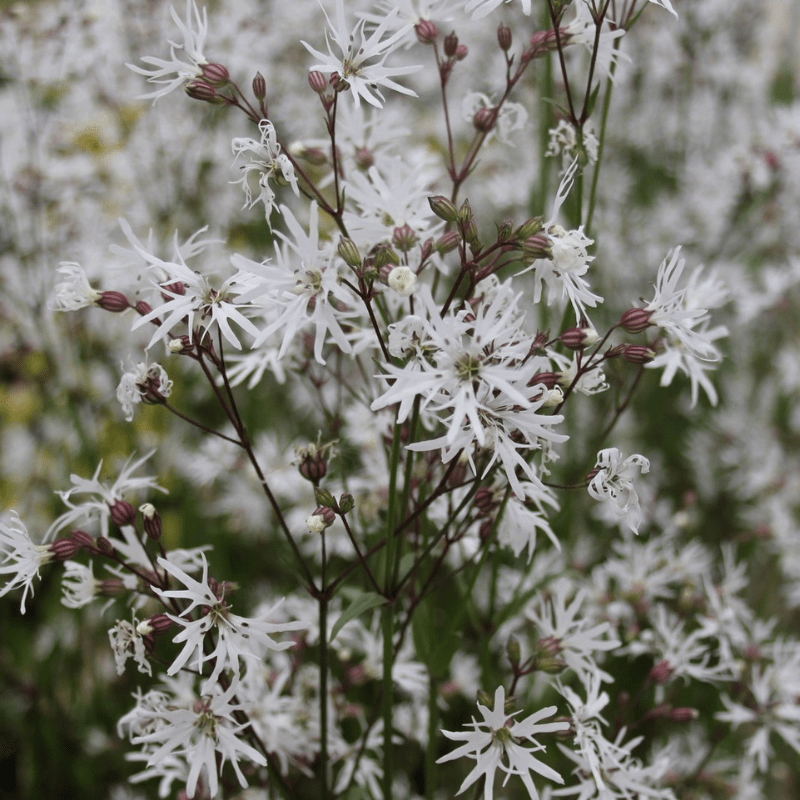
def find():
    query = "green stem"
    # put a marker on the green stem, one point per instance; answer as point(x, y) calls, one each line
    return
point(430, 753)
point(602, 142)
point(323, 681)
point(387, 613)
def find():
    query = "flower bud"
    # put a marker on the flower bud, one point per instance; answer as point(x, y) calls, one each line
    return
point(346, 503)
point(64, 549)
point(547, 655)
point(635, 320)
point(450, 44)
point(143, 307)
point(528, 228)
point(683, 714)
point(513, 651)
point(484, 500)
point(404, 238)
point(385, 257)
point(105, 546)
point(83, 539)
point(661, 672)
point(113, 301)
point(317, 81)
point(338, 83)
point(504, 37)
point(447, 242)
point(461, 52)
point(364, 158)
point(578, 338)
point(313, 465)
point(158, 623)
point(443, 208)
point(349, 252)
point(122, 513)
point(549, 379)
point(426, 31)
point(638, 354)
point(151, 521)
point(200, 90)
point(542, 42)
point(484, 119)
point(215, 75)
point(324, 498)
point(259, 86)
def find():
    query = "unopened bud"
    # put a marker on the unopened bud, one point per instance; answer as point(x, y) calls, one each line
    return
point(528, 228)
point(216, 75)
point(513, 650)
point(426, 31)
point(324, 498)
point(404, 238)
point(578, 338)
point(661, 672)
point(259, 86)
point(122, 513)
point(447, 242)
point(104, 545)
point(450, 44)
point(200, 90)
point(638, 354)
point(83, 539)
point(635, 320)
point(158, 623)
point(346, 503)
point(349, 252)
point(113, 301)
point(317, 81)
point(385, 256)
point(443, 208)
point(683, 714)
point(504, 37)
point(143, 307)
point(484, 119)
point(547, 655)
point(549, 379)
point(484, 499)
point(314, 466)
point(338, 83)
point(364, 158)
point(151, 521)
point(542, 42)
point(537, 246)
point(485, 699)
point(461, 52)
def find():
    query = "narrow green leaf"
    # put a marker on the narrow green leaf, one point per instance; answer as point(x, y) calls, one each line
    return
point(361, 604)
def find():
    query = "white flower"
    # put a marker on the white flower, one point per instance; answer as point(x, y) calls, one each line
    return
point(583, 30)
point(198, 733)
point(520, 522)
point(105, 496)
point(192, 294)
point(20, 558)
point(613, 484)
point(78, 585)
point(402, 280)
point(481, 8)
point(497, 742)
point(127, 642)
point(357, 51)
point(268, 162)
point(303, 287)
point(237, 637)
point(142, 383)
point(173, 73)
point(75, 291)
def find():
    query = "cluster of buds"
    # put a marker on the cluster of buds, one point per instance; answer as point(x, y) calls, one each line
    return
point(204, 88)
point(326, 88)
point(453, 52)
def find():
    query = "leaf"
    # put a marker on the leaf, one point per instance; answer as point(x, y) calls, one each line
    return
point(361, 604)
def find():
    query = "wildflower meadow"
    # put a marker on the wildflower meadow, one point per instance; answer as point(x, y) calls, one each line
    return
point(400, 400)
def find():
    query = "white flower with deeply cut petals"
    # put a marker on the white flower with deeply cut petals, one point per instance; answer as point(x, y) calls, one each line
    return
point(236, 637)
point(142, 383)
point(362, 57)
point(20, 558)
point(613, 484)
point(176, 72)
point(74, 291)
point(498, 742)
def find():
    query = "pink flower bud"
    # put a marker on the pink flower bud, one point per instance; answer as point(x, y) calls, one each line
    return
point(426, 31)
point(661, 672)
point(216, 75)
point(122, 513)
point(484, 119)
point(318, 82)
point(83, 539)
point(638, 354)
point(450, 44)
point(404, 238)
point(63, 549)
point(635, 320)
point(259, 86)
point(461, 52)
point(151, 521)
point(504, 37)
point(578, 338)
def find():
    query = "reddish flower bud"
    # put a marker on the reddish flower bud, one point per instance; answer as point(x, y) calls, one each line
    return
point(461, 52)
point(159, 623)
point(638, 354)
point(578, 338)
point(365, 158)
point(63, 549)
point(314, 467)
point(317, 81)
point(484, 119)
point(426, 31)
point(151, 521)
point(200, 90)
point(216, 75)
point(404, 238)
point(504, 37)
point(83, 539)
point(549, 379)
point(635, 320)
point(683, 714)
point(537, 246)
point(447, 242)
point(113, 301)
point(122, 513)
point(484, 499)
point(450, 44)
point(259, 86)
point(104, 546)
point(542, 42)
point(142, 307)
point(661, 672)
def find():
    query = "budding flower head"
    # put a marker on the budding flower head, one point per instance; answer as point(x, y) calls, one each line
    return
point(635, 320)
point(638, 354)
point(317, 81)
point(348, 250)
point(443, 208)
point(504, 37)
point(450, 44)
point(259, 86)
point(426, 31)
point(151, 521)
point(215, 75)
point(322, 518)
point(578, 338)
